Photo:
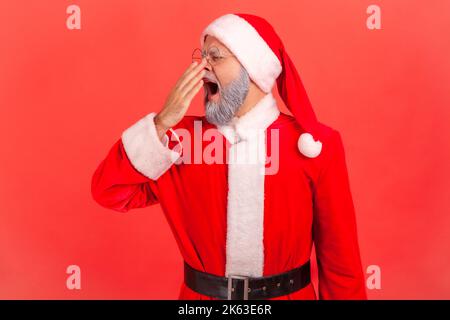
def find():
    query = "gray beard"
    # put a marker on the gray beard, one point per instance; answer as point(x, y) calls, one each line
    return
point(231, 99)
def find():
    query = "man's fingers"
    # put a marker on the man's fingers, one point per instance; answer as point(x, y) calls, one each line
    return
point(185, 73)
point(192, 83)
point(191, 94)
point(191, 73)
point(191, 66)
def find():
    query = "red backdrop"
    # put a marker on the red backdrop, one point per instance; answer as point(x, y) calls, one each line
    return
point(66, 96)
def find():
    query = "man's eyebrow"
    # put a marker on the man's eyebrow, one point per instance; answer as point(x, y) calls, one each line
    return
point(221, 49)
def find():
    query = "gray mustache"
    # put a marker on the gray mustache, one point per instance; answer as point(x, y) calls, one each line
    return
point(211, 78)
point(232, 97)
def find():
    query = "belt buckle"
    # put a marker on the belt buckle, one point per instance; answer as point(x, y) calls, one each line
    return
point(230, 285)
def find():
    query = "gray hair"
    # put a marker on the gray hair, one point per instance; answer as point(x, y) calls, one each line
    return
point(231, 99)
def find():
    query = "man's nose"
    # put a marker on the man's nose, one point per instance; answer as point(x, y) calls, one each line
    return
point(208, 65)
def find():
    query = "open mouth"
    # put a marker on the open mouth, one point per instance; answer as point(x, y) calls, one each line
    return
point(211, 87)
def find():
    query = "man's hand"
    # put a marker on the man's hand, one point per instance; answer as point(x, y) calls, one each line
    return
point(179, 99)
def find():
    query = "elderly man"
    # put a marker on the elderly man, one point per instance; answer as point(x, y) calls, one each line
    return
point(245, 228)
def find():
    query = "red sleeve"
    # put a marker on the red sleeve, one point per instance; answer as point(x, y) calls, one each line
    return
point(117, 185)
point(335, 233)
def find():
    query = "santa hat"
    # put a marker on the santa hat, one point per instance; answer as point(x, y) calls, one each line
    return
point(258, 48)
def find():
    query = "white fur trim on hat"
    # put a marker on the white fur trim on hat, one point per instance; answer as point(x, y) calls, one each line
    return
point(242, 39)
point(308, 146)
point(147, 153)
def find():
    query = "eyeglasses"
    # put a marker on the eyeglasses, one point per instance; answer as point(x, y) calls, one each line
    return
point(213, 56)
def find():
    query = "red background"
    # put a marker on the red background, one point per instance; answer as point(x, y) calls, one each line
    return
point(66, 96)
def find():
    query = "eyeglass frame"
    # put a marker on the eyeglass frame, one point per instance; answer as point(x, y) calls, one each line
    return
point(208, 57)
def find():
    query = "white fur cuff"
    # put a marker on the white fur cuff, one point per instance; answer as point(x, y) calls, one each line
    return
point(145, 150)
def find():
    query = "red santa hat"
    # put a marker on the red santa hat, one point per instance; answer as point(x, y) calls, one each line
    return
point(258, 48)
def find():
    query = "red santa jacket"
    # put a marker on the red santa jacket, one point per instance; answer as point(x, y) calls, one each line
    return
point(225, 215)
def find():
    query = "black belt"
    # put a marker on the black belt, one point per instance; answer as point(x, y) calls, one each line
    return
point(242, 287)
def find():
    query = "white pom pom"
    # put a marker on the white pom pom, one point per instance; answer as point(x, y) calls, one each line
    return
point(308, 146)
